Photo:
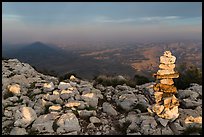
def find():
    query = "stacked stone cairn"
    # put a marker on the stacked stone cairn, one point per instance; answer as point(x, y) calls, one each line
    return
point(166, 105)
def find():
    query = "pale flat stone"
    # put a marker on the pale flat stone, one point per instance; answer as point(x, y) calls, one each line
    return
point(55, 108)
point(158, 108)
point(73, 104)
point(15, 89)
point(158, 96)
point(55, 92)
point(167, 102)
point(164, 88)
point(175, 75)
point(171, 114)
point(167, 66)
point(165, 72)
point(191, 119)
point(167, 60)
point(66, 91)
point(88, 95)
point(167, 81)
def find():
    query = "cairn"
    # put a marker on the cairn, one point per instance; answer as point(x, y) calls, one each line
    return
point(166, 105)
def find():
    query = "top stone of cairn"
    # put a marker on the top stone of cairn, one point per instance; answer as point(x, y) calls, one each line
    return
point(167, 58)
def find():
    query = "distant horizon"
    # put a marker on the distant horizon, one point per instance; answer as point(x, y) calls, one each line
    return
point(72, 22)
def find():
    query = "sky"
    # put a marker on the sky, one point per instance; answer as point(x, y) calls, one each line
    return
point(66, 22)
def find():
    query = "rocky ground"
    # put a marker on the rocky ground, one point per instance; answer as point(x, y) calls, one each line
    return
point(33, 103)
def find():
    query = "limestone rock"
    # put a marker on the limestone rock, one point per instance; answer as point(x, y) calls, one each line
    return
point(44, 123)
point(18, 131)
point(48, 86)
point(73, 104)
point(94, 120)
point(191, 119)
point(15, 89)
point(167, 60)
point(158, 109)
point(163, 122)
point(182, 94)
point(91, 99)
point(164, 88)
point(55, 108)
point(24, 117)
point(170, 114)
point(72, 78)
point(64, 85)
point(158, 96)
point(167, 66)
point(167, 81)
point(165, 72)
point(187, 103)
point(86, 113)
point(175, 75)
point(107, 108)
point(68, 123)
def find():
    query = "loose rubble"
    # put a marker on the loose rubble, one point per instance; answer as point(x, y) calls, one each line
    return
point(37, 104)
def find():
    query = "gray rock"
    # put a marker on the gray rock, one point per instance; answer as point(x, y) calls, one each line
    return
point(8, 113)
point(194, 96)
point(166, 131)
point(107, 108)
point(64, 85)
point(68, 123)
point(40, 106)
point(18, 131)
point(71, 133)
point(100, 87)
point(52, 97)
point(48, 86)
point(59, 101)
point(6, 103)
point(127, 101)
point(94, 120)
point(86, 113)
point(196, 88)
point(163, 122)
point(91, 126)
point(184, 93)
point(44, 123)
point(148, 125)
point(13, 99)
point(7, 123)
point(142, 103)
point(65, 96)
point(24, 117)
point(187, 103)
point(36, 91)
point(137, 133)
point(91, 99)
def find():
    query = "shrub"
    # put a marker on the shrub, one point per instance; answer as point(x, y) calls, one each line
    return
point(187, 75)
point(141, 79)
point(114, 80)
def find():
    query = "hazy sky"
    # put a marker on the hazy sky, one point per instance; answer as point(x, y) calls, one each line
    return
point(78, 21)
